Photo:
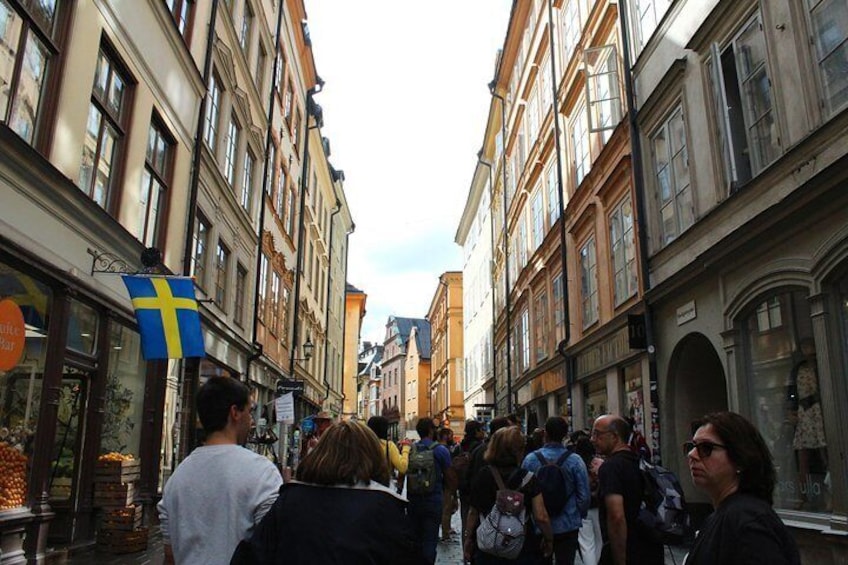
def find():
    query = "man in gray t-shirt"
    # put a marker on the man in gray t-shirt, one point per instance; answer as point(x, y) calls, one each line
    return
point(221, 491)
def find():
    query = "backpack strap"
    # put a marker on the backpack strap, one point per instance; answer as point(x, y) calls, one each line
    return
point(541, 458)
point(563, 458)
point(497, 475)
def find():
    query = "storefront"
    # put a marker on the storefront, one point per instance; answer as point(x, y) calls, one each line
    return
point(73, 387)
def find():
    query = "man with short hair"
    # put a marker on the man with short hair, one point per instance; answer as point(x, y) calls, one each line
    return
point(221, 491)
point(620, 496)
point(566, 524)
point(450, 503)
point(425, 509)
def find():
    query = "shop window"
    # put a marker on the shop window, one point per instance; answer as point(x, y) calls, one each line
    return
point(595, 400)
point(82, 328)
point(124, 395)
point(24, 304)
point(785, 400)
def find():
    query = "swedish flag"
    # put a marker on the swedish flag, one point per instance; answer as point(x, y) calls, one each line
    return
point(168, 321)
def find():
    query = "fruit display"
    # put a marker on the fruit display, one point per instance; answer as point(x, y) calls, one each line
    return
point(13, 477)
point(115, 456)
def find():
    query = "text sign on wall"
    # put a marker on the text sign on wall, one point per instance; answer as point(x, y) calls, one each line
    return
point(686, 313)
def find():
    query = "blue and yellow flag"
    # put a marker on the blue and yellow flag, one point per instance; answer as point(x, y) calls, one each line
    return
point(168, 321)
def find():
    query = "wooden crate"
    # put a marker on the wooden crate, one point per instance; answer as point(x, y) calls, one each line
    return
point(117, 471)
point(118, 495)
point(128, 519)
point(122, 541)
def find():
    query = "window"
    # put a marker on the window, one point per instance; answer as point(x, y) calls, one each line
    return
point(623, 246)
point(749, 139)
point(241, 292)
point(213, 107)
point(671, 168)
point(588, 283)
point(296, 130)
point(104, 133)
point(261, 62)
point(28, 52)
point(201, 247)
point(785, 400)
point(602, 89)
point(647, 14)
point(287, 103)
point(182, 12)
point(768, 315)
point(154, 185)
point(290, 213)
point(281, 190)
point(559, 314)
point(533, 117)
point(274, 323)
point(222, 270)
point(280, 69)
point(580, 144)
point(553, 196)
point(246, 26)
point(247, 182)
point(572, 27)
point(525, 340)
point(272, 162)
point(538, 220)
point(233, 134)
point(830, 37)
point(284, 316)
point(264, 265)
point(540, 325)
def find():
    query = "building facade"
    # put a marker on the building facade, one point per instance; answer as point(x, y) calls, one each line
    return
point(355, 301)
point(747, 246)
point(393, 367)
point(416, 378)
point(447, 378)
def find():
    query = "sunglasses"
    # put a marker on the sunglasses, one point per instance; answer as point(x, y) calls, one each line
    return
point(704, 448)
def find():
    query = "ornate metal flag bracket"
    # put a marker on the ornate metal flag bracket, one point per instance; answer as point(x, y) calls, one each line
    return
point(105, 262)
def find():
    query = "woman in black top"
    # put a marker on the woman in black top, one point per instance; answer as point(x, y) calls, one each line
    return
point(504, 454)
point(729, 460)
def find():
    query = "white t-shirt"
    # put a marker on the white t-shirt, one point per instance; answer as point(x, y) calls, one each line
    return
point(213, 501)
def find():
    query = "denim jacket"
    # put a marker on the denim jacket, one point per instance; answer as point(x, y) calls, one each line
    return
point(577, 506)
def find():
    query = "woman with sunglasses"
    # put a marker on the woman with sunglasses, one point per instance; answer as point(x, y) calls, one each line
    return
point(729, 460)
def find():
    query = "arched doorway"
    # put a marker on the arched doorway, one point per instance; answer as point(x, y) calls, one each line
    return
point(696, 385)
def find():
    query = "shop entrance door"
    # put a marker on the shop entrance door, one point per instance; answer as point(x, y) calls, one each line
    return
point(66, 459)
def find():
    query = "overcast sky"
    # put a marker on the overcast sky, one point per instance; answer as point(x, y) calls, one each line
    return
point(405, 105)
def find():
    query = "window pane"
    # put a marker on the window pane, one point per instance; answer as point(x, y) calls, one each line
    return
point(10, 35)
point(124, 394)
point(28, 96)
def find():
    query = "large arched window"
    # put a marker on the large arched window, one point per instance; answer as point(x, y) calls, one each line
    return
point(784, 397)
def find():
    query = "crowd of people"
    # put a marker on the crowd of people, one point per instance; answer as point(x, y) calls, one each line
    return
point(546, 497)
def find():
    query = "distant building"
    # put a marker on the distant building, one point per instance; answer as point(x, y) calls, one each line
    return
point(447, 383)
point(369, 380)
point(354, 313)
point(417, 377)
point(395, 347)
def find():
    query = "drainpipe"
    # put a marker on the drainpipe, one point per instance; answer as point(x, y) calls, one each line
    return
point(327, 309)
point(561, 347)
point(639, 189)
point(304, 182)
point(257, 347)
point(507, 299)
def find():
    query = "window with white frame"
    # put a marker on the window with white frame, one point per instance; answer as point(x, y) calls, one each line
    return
point(241, 292)
point(558, 302)
point(580, 156)
point(264, 267)
point(742, 92)
point(545, 88)
point(233, 134)
point(588, 283)
point(290, 213)
point(246, 27)
point(572, 28)
point(538, 219)
point(104, 133)
point(522, 243)
point(671, 170)
point(829, 19)
point(525, 340)
point(247, 181)
point(213, 108)
point(222, 271)
point(540, 325)
point(533, 117)
point(280, 194)
point(623, 250)
point(154, 184)
point(200, 247)
point(603, 90)
point(646, 15)
point(553, 196)
point(274, 318)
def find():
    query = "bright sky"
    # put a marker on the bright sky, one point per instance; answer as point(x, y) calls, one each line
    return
point(405, 106)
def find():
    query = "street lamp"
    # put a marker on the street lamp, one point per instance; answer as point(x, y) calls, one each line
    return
point(308, 349)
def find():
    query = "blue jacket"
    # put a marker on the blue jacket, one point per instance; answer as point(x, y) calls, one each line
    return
point(577, 506)
point(442, 457)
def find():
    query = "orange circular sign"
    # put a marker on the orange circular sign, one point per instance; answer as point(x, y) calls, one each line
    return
point(12, 334)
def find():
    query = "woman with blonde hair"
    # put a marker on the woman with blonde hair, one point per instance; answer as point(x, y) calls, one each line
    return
point(503, 457)
point(340, 510)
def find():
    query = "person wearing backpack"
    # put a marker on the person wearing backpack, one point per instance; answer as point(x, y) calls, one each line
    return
point(396, 459)
point(564, 482)
point(428, 463)
point(620, 494)
point(473, 437)
point(491, 530)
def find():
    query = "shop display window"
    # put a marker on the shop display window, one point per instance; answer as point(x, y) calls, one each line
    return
point(24, 308)
point(124, 394)
point(786, 400)
point(595, 400)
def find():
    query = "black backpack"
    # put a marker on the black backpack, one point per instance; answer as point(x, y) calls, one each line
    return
point(555, 483)
point(662, 515)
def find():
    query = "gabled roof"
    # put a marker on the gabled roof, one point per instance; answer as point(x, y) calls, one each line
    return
point(422, 339)
point(373, 356)
point(350, 289)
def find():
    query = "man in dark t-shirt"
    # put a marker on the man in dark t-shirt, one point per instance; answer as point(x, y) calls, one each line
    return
point(620, 495)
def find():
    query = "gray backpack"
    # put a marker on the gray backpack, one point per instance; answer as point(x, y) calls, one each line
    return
point(502, 531)
point(421, 473)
